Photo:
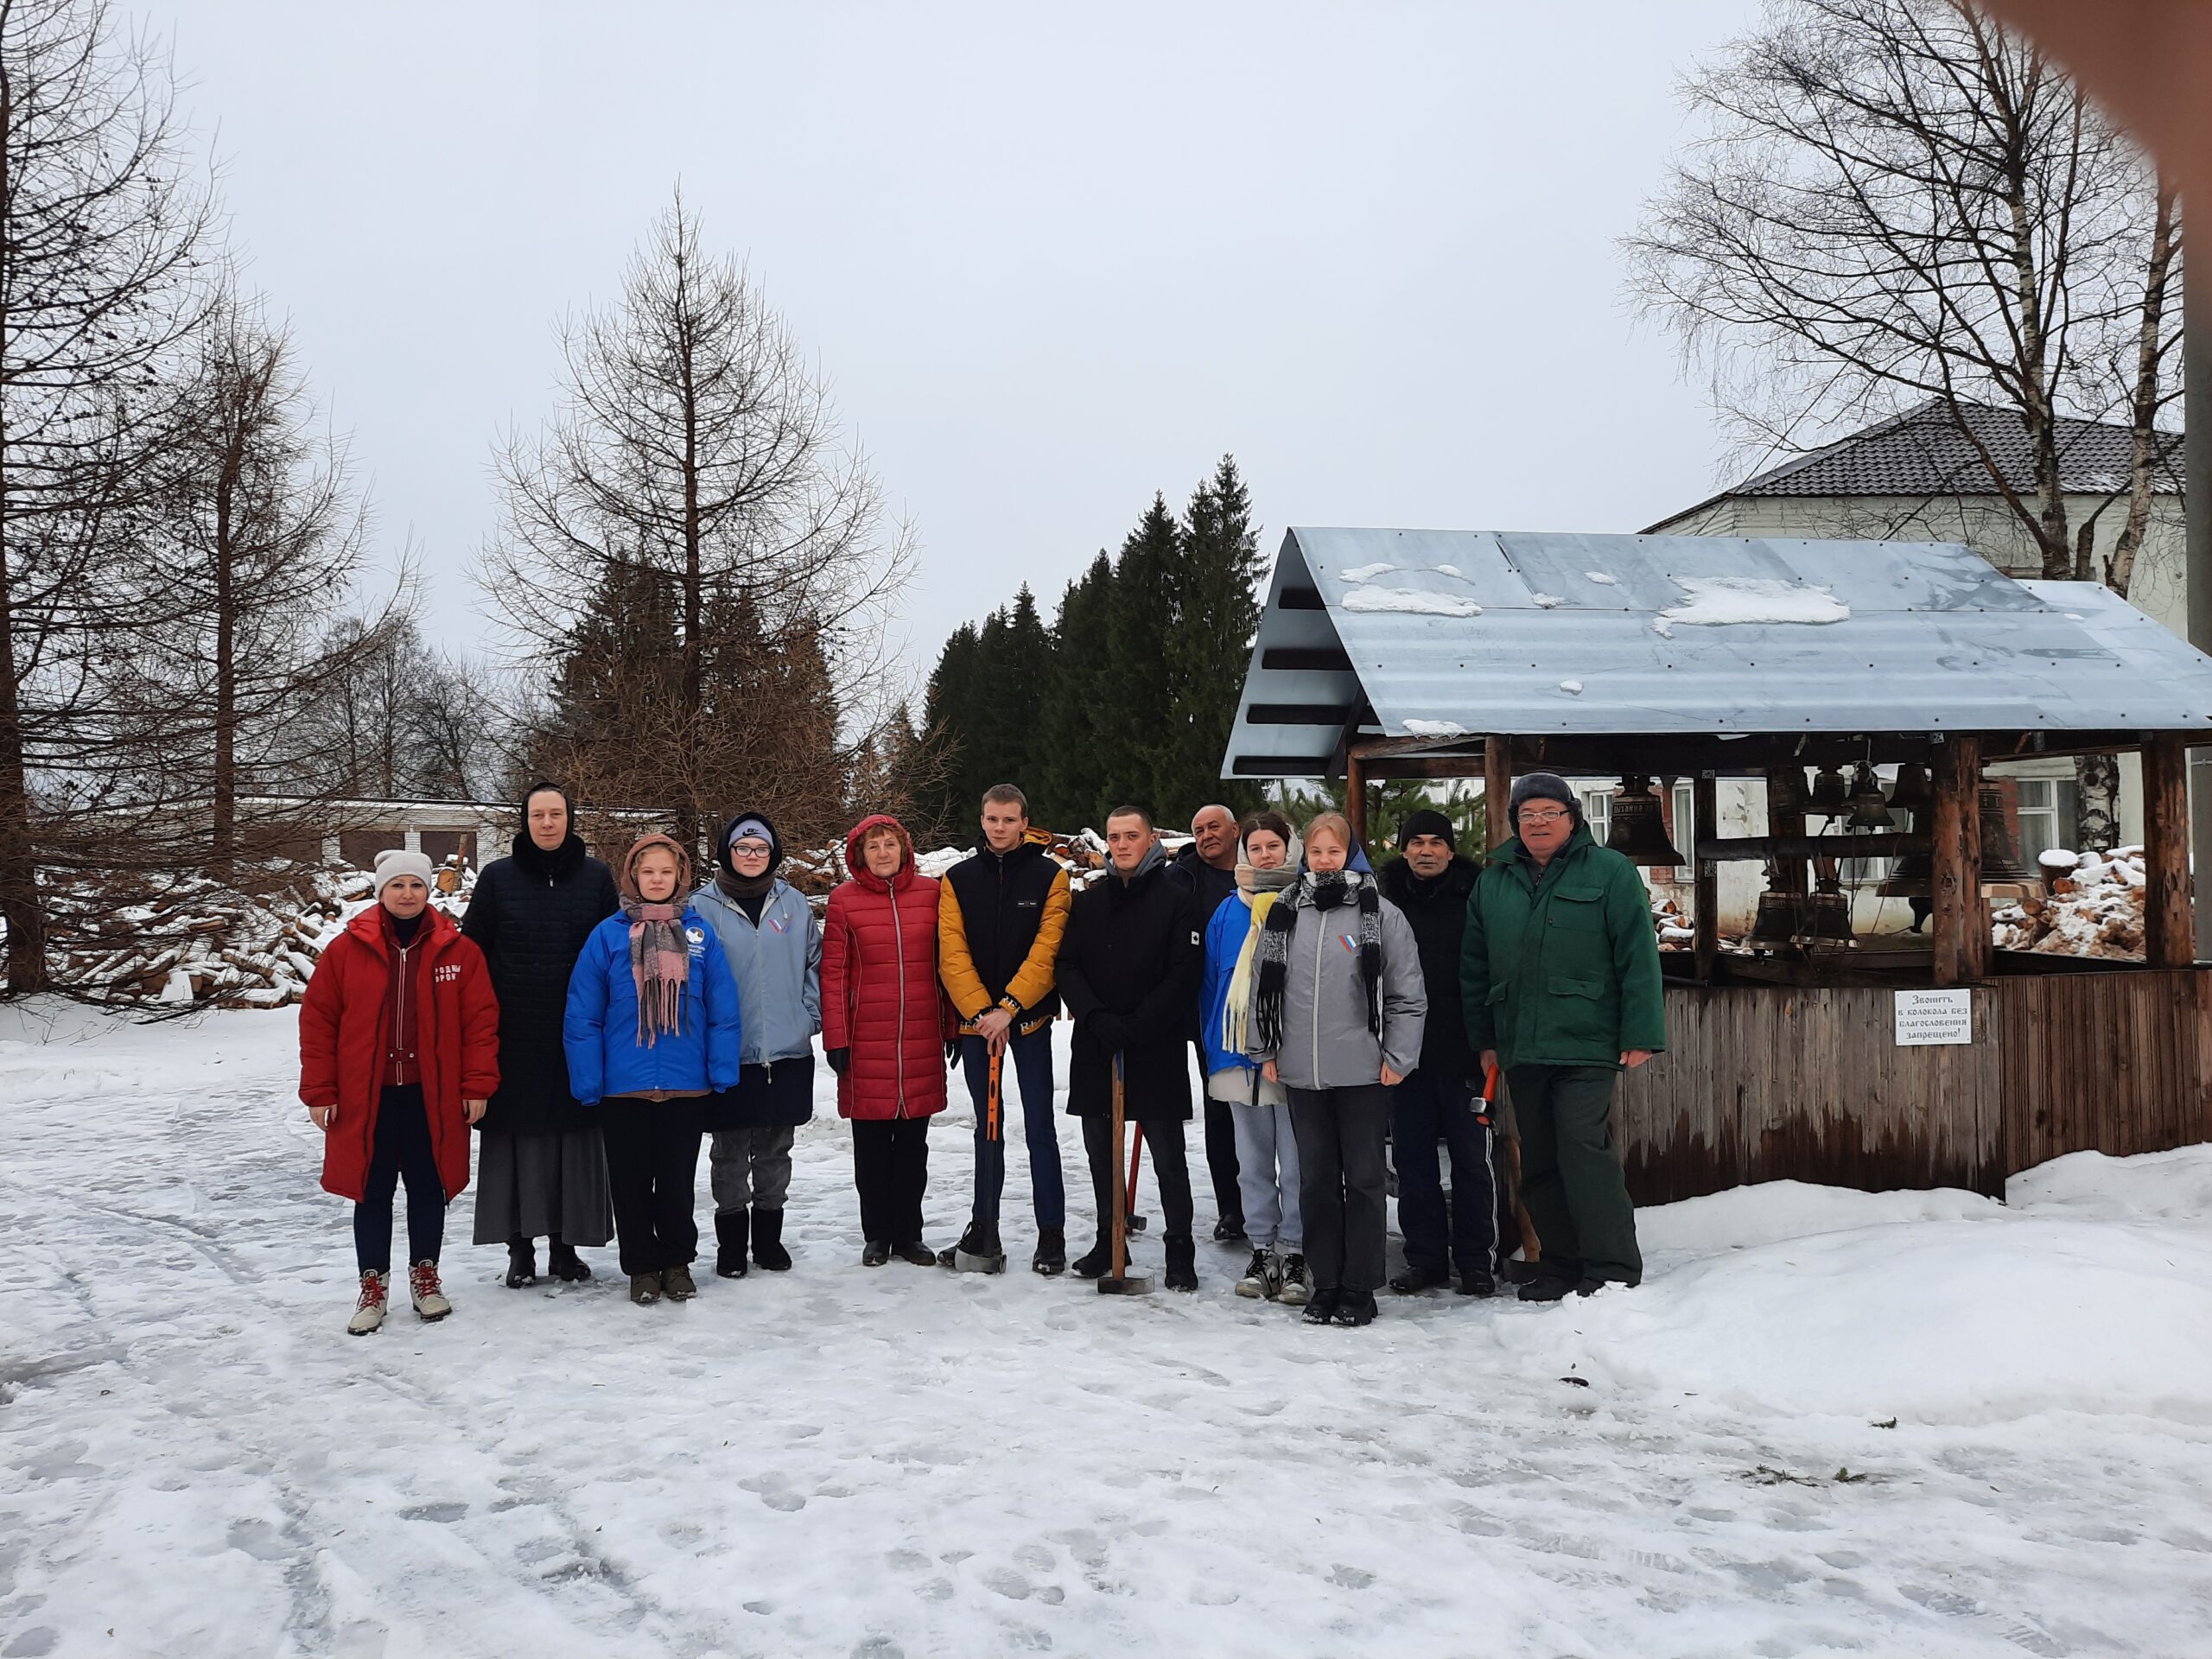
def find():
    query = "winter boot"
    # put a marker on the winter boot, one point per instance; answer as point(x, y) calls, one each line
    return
point(1099, 1261)
point(768, 1241)
point(732, 1228)
point(874, 1253)
point(916, 1252)
point(1416, 1280)
point(1477, 1281)
point(978, 1251)
point(1182, 1262)
point(1295, 1292)
point(676, 1284)
point(1356, 1307)
point(1229, 1230)
point(1323, 1307)
point(1261, 1277)
point(522, 1262)
point(645, 1289)
point(368, 1313)
point(422, 1285)
point(1051, 1256)
point(1550, 1288)
point(562, 1262)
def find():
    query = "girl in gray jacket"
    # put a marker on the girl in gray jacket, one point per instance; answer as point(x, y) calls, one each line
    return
point(774, 946)
point(1337, 1019)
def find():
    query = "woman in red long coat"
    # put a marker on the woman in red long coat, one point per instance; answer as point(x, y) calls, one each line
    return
point(884, 1027)
point(399, 1049)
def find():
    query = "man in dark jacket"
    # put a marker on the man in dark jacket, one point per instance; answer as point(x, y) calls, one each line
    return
point(1430, 882)
point(1208, 867)
point(1129, 968)
point(542, 1168)
point(1000, 915)
point(1559, 973)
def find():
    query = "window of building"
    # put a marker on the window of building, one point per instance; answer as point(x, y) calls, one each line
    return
point(1598, 813)
point(2048, 806)
point(1685, 830)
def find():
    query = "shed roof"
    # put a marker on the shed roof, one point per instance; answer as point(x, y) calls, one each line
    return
point(1446, 634)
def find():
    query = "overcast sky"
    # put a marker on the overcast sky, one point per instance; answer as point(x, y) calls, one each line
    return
point(1054, 259)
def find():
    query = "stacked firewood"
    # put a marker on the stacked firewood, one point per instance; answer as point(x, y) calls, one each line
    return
point(2091, 906)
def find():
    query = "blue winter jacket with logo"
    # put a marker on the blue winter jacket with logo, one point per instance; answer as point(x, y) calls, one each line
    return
point(599, 1031)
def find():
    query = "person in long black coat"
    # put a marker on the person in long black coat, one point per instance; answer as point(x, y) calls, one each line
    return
point(542, 1169)
point(1129, 971)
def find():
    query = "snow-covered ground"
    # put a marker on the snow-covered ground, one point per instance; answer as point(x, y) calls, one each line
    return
point(195, 1460)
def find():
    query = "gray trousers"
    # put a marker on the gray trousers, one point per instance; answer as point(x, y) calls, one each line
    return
point(1267, 1175)
point(752, 1167)
point(1341, 1133)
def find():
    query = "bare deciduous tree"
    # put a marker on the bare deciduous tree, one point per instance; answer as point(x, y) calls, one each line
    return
point(103, 225)
point(694, 469)
point(1896, 200)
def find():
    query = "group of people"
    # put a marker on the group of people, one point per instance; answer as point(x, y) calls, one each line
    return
point(1341, 1020)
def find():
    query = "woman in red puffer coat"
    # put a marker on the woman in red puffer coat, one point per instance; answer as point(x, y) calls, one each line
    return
point(885, 1023)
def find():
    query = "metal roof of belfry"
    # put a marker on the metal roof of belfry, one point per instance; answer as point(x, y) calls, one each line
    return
point(1447, 634)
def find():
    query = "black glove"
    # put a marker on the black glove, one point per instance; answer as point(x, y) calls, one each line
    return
point(839, 1058)
point(1106, 1027)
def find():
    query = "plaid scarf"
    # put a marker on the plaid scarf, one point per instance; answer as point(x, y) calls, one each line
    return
point(1318, 893)
point(660, 954)
point(1260, 889)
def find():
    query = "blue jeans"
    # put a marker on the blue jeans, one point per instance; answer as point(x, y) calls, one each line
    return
point(1031, 1066)
point(1428, 1105)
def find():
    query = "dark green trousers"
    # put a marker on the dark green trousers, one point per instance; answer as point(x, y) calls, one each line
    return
point(1570, 1176)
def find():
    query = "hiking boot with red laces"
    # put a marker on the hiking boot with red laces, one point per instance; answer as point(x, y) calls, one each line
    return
point(368, 1313)
point(422, 1285)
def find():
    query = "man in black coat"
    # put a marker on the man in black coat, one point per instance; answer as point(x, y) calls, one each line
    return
point(1208, 865)
point(1430, 882)
point(541, 1168)
point(1129, 971)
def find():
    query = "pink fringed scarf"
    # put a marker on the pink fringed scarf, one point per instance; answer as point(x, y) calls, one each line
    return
point(660, 955)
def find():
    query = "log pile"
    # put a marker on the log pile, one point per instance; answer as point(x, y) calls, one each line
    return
point(2092, 906)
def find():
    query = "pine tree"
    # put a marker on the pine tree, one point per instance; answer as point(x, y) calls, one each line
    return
point(1073, 775)
point(1213, 613)
point(949, 726)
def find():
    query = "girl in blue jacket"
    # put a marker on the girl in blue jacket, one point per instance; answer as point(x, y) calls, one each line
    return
point(651, 1029)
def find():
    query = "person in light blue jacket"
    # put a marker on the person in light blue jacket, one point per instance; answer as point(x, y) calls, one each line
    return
point(775, 947)
point(1267, 1150)
point(653, 1027)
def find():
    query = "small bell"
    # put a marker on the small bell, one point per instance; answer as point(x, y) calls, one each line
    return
point(1830, 796)
point(1639, 832)
point(1869, 810)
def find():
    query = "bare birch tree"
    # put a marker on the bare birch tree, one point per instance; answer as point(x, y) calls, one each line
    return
point(692, 528)
point(104, 224)
point(1892, 201)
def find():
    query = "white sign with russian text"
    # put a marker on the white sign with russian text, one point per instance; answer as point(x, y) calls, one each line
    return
point(1927, 1017)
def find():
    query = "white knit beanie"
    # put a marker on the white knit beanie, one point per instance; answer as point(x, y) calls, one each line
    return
point(400, 862)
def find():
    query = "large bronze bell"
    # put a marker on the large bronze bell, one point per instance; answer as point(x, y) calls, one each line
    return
point(1830, 796)
point(1639, 831)
point(1870, 808)
point(1911, 793)
point(1827, 917)
point(1775, 923)
point(1998, 862)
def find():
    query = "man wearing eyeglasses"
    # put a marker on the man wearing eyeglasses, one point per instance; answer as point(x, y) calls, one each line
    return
point(1560, 967)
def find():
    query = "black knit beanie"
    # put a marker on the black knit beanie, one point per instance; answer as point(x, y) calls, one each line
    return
point(1427, 822)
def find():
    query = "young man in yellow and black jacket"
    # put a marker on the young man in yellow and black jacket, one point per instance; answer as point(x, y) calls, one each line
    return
point(1000, 915)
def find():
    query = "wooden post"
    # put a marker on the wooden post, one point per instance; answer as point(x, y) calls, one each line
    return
point(1497, 790)
point(1704, 889)
point(2169, 921)
point(1959, 933)
point(1356, 797)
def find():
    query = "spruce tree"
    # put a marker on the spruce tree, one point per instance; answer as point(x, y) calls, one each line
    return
point(1071, 776)
point(1137, 709)
point(1213, 612)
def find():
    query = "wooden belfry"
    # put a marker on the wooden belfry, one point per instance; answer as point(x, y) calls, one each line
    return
point(1443, 654)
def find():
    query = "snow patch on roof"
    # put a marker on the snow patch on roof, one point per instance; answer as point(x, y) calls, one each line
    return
point(1718, 601)
point(1602, 579)
point(1407, 600)
point(1435, 729)
point(1547, 601)
point(1368, 572)
point(1663, 628)
point(1450, 570)
point(1573, 688)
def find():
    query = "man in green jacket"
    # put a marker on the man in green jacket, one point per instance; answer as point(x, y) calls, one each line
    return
point(1560, 966)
